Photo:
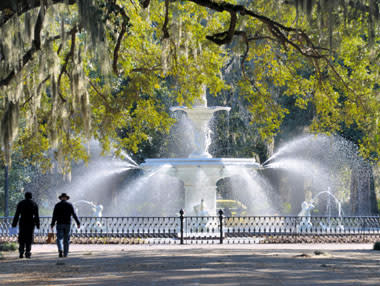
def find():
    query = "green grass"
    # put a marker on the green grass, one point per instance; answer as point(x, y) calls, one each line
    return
point(8, 246)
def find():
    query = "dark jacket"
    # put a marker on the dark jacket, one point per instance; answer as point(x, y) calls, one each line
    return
point(28, 210)
point(62, 213)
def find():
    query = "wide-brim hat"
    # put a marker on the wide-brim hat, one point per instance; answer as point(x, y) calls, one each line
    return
point(64, 195)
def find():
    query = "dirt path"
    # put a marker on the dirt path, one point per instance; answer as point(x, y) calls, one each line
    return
point(291, 264)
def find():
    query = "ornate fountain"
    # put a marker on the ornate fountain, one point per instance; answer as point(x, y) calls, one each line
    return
point(199, 161)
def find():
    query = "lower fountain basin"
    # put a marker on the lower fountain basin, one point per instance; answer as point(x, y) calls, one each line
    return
point(214, 168)
point(199, 162)
point(196, 190)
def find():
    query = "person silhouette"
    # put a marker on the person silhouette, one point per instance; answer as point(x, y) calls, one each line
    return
point(63, 211)
point(28, 210)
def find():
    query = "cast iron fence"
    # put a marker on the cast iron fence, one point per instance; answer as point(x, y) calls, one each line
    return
point(212, 229)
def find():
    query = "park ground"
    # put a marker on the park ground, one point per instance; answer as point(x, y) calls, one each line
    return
point(259, 264)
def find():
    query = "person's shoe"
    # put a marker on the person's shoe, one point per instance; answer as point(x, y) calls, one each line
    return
point(65, 255)
point(21, 255)
point(60, 254)
point(28, 255)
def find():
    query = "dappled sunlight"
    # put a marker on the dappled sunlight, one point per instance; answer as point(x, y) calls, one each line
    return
point(192, 266)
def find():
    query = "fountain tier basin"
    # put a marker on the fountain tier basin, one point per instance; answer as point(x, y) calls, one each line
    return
point(199, 176)
point(200, 117)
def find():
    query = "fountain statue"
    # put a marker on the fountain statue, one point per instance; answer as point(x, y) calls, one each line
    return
point(305, 214)
point(200, 210)
point(307, 207)
point(200, 161)
point(96, 213)
point(97, 210)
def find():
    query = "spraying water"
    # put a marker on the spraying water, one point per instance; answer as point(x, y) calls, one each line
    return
point(156, 193)
point(319, 163)
point(252, 193)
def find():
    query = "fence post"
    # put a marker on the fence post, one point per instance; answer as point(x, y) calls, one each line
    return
point(221, 226)
point(181, 212)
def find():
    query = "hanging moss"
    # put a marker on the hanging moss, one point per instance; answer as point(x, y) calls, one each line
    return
point(28, 24)
point(86, 113)
point(90, 18)
point(42, 72)
point(9, 129)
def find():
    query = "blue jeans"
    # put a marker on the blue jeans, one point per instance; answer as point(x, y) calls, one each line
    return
point(63, 237)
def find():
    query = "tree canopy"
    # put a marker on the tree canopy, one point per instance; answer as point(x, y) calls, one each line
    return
point(71, 70)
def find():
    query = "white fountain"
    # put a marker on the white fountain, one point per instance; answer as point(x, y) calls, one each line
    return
point(200, 162)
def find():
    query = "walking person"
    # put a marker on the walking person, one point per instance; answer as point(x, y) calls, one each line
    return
point(28, 210)
point(63, 211)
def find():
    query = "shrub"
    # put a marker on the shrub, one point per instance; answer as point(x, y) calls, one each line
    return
point(8, 246)
point(376, 246)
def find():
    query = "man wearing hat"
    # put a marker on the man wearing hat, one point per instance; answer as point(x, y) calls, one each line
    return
point(28, 210)
point(63, 211)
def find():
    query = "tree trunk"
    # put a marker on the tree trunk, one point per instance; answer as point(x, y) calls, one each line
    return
point(363, 197)
point(296, 195)
point(6, 192)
